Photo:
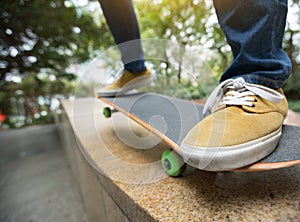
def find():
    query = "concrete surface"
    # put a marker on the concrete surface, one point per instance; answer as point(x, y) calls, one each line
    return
point(135, 182)
point(35, 181)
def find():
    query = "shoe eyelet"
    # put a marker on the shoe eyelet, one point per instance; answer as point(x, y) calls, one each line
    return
point(252, 106)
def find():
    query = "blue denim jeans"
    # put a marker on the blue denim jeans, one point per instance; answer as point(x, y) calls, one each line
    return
point(121, 19)
point(253, 28)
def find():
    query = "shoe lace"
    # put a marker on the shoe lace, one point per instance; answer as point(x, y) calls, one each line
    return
point(238, 92)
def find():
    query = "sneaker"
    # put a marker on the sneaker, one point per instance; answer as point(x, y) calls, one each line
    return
point(126, 82)
point(240, 128)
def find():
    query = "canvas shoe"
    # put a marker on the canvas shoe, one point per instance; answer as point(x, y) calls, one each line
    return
point(126, 82)
point(243, 126)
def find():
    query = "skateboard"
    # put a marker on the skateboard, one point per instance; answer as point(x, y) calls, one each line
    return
point(178, 117)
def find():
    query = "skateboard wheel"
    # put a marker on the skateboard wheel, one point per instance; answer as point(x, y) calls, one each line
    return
point(106, 112)
point(172, 163)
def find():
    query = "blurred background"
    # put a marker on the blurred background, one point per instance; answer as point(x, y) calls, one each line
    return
point(45, 45)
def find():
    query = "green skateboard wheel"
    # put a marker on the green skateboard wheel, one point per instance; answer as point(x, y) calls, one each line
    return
point(107, 112)
point(172, 163)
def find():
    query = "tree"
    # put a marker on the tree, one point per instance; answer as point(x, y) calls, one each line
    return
point(192, 29)
point(44, 34)
point(39, 40)
point(187, 22)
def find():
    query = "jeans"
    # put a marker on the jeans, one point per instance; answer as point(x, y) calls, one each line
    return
point(122, 22)
point(253, 28)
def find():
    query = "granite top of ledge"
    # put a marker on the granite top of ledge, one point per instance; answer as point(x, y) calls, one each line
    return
point(205, 196)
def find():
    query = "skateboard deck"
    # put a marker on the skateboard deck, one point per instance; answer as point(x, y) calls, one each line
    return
point(179, 116)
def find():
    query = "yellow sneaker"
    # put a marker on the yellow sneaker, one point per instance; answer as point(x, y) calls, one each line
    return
point(126, 82)
point(244, 127)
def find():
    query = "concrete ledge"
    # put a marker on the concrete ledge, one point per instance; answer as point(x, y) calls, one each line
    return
point(120, 183)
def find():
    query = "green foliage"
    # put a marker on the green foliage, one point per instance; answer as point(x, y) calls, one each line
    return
point(29, 101)
point(294, 105)
point(292, 86)
point(40, 34)
point(292, 47)
point(187, 23)
point(39, 40)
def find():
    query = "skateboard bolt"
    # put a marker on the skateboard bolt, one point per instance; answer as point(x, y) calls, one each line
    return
point(167, 164)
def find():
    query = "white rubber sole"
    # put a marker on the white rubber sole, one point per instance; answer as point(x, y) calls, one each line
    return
point(233, 157)
point(134, 84)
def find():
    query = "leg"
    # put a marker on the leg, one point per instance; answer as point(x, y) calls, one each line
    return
point(121, 19)
point(254, 29)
